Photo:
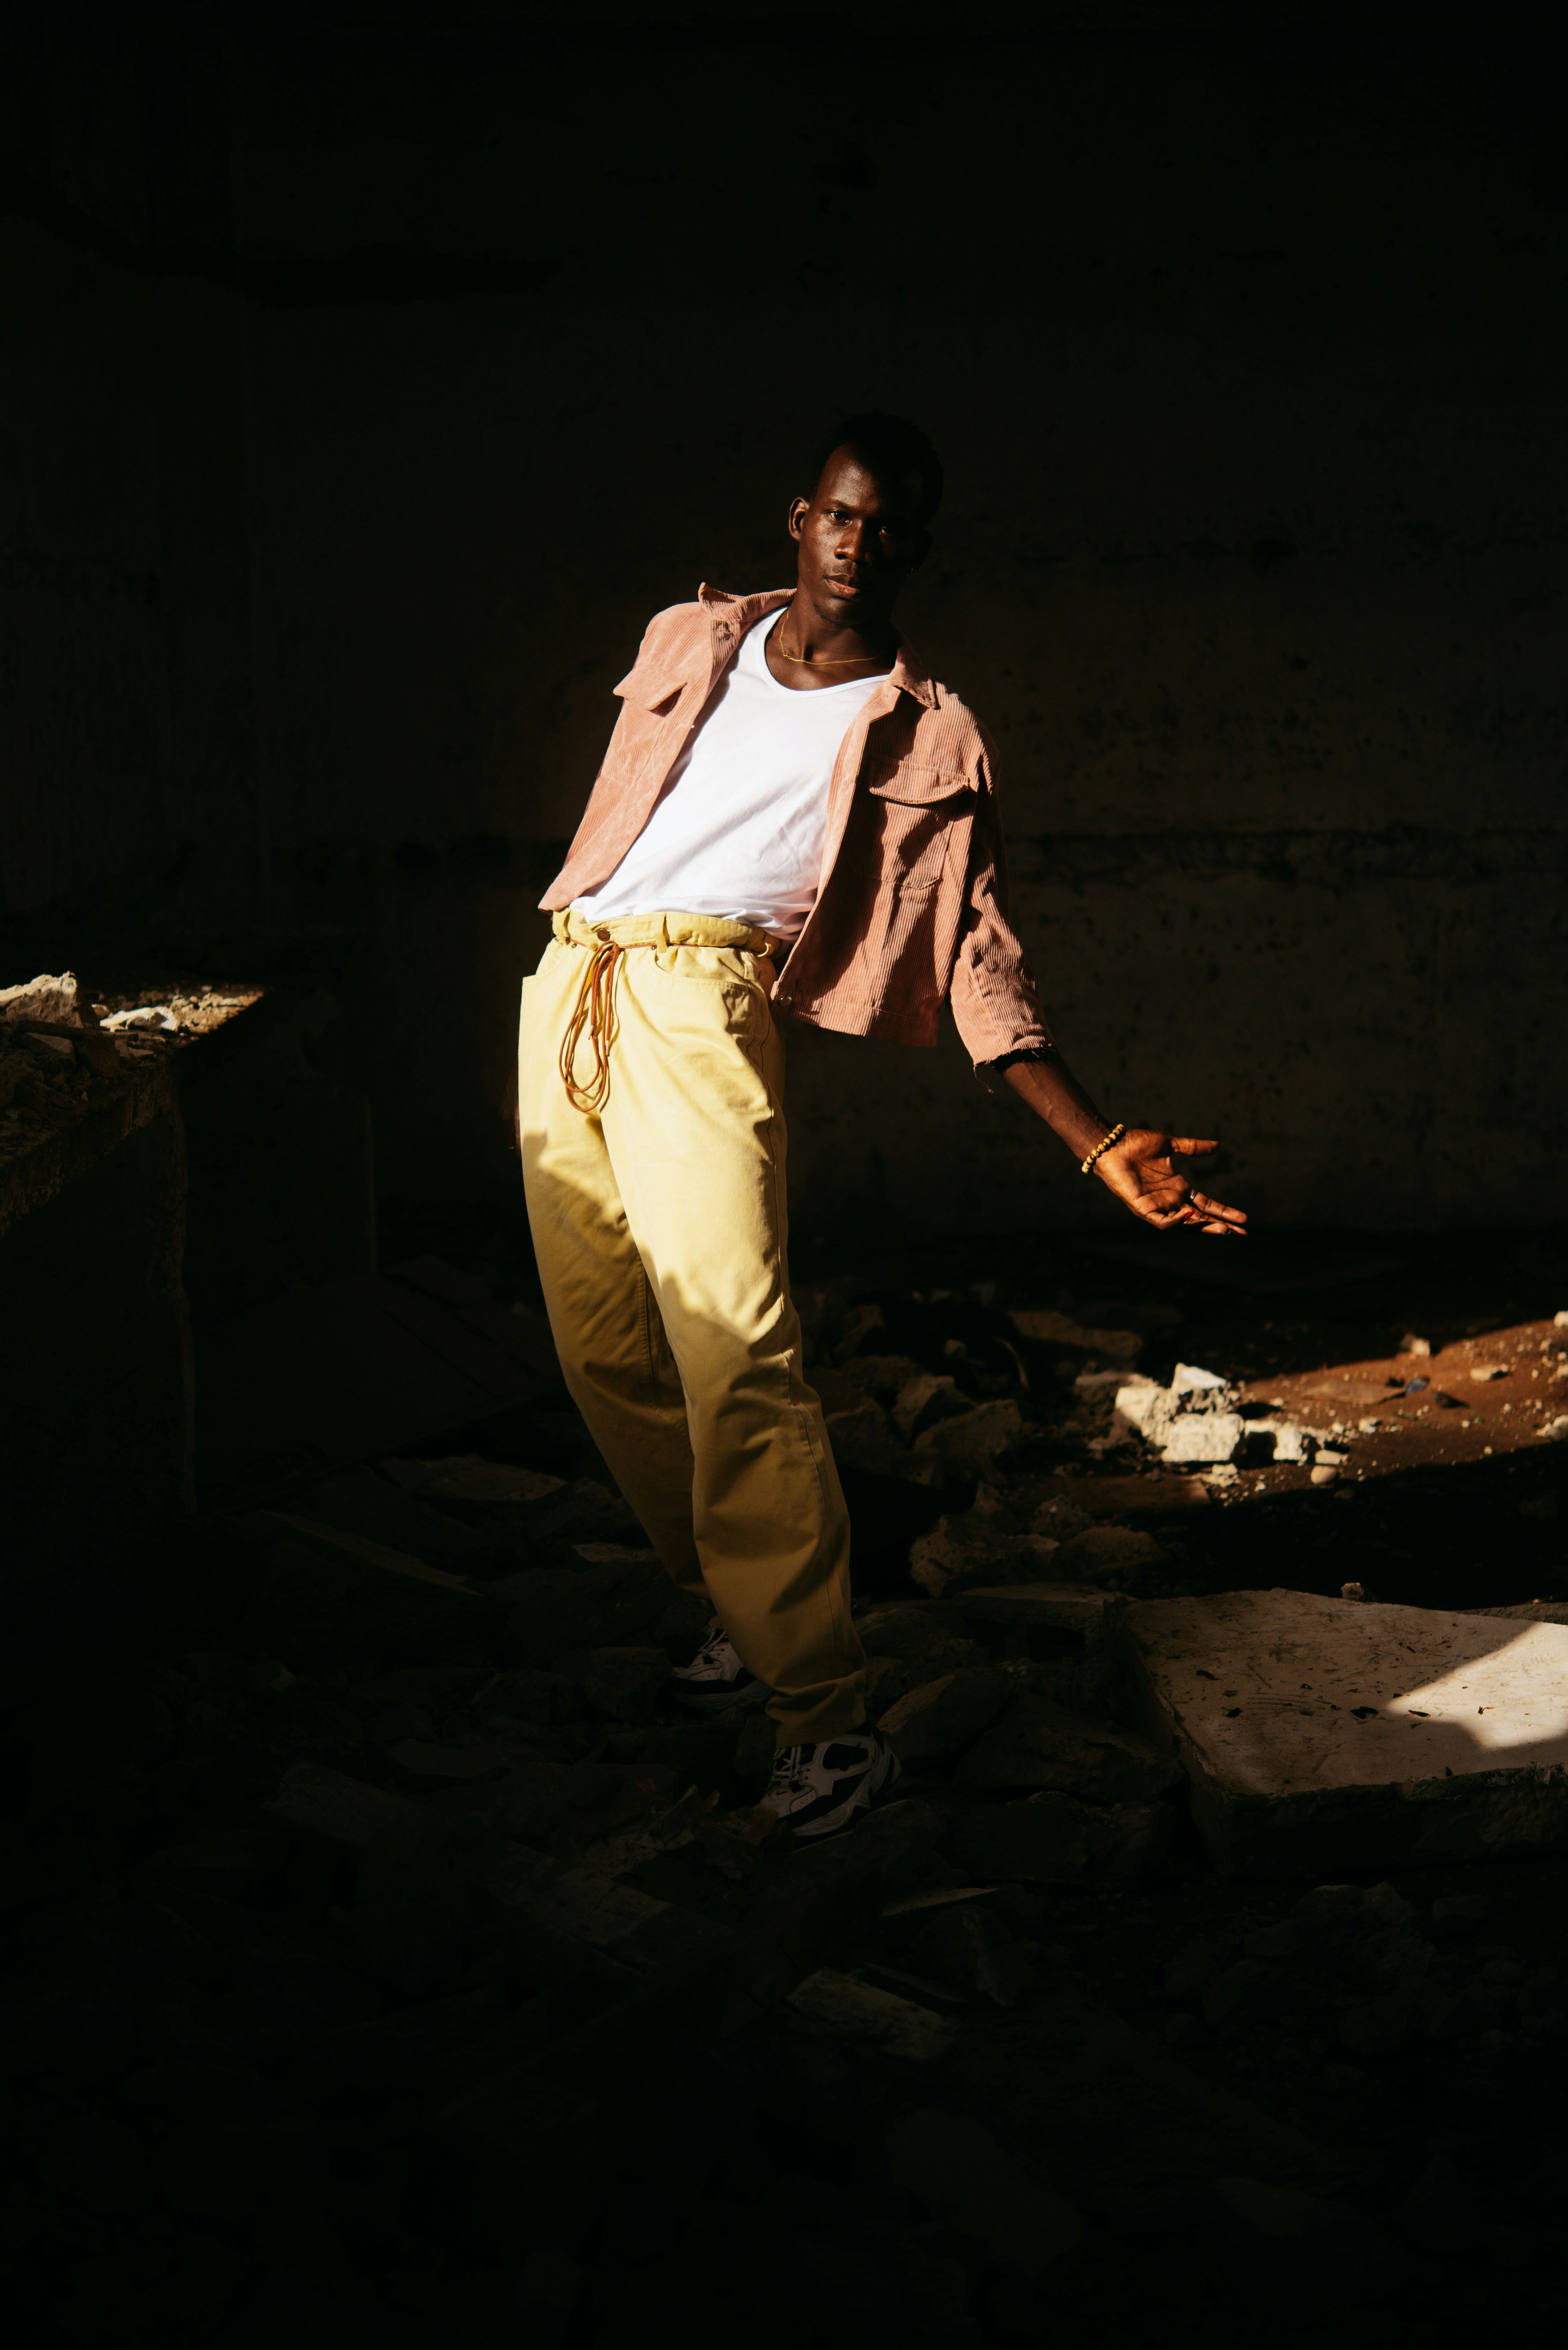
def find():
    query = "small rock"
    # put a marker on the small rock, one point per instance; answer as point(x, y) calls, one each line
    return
point(860, 2010)
point(1108, 1554)
point(973, 1440)
point(939, 1719)
point(1203, 1436)
point(925, 1400)
point(1410, 1344)
point(1325, 1472)
point(1489, 1371)
point(1054, 1839)
point(1038, 1745)
point(965, 1552)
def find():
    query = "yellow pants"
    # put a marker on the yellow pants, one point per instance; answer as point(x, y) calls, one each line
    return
point(661, 1229)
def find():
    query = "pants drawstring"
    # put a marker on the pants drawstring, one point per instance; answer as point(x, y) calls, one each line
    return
point(594, 1010)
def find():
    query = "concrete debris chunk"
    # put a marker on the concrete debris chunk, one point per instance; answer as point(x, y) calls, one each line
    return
point(51, 996)
point(1056, 1839)
point(860, 2010)
point(976, 1548)
point(923, 1400)
point(1197, 1420)
point(1046, 1328)
point(1209, 1436)
point(1038, 1745)
point(1108, 1555)
point(974, 1439)
point(942, 1716)
point(865, 1438)
point(1318, 1731)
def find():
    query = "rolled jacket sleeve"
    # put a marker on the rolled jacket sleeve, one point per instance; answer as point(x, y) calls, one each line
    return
point(996, 1003)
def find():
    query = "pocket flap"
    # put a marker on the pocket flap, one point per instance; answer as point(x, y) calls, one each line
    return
point(903, 779)
point(650, 684)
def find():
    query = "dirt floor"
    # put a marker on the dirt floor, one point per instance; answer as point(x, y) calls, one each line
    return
point(372, 1968)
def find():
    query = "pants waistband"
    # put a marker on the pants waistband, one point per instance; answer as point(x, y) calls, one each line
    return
point(660, 930)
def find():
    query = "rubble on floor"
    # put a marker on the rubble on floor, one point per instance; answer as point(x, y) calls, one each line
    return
point(386, 1951)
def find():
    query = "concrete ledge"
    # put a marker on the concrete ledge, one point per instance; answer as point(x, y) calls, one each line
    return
point(1332, 1734)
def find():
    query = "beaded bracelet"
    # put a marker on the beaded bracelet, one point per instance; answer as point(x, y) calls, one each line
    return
point(1100, 1148)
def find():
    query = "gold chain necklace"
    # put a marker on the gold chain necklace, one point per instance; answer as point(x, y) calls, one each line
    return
point(804, 660)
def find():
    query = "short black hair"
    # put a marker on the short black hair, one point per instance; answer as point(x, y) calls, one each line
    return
point(891, 444)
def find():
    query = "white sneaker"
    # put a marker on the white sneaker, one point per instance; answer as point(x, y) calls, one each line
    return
point(716, 1680)
point(817, 1789)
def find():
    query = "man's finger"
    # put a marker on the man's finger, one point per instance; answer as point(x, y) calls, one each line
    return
point(1218, 1208)
point(1190, 1147)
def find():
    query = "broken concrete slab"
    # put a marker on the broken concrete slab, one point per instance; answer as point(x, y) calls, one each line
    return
point(1350, 1734)
point(1055, 1607)
point(941, 1716)
point(1038, 1745)
point(860, 2010)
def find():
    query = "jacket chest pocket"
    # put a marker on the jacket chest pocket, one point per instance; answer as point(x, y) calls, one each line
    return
point(916, 812)
point(649, 699)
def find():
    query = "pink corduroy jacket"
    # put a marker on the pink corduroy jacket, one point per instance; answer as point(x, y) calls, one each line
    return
point(912, 904)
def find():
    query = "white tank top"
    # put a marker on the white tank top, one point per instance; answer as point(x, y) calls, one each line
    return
point(739, 828)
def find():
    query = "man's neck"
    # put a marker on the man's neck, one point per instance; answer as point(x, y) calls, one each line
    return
point(810, 647)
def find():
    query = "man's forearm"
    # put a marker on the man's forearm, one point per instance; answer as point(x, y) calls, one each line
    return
point(1053, 1093)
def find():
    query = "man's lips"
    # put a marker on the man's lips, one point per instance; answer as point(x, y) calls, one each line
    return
point(843, 587)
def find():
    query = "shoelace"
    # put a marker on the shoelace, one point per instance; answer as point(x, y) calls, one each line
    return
point(788, 1771)
point(712, 1648)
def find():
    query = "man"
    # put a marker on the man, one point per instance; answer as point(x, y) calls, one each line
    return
point(793, 819)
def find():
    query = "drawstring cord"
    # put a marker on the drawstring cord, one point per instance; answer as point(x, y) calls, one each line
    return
point(594, 1012)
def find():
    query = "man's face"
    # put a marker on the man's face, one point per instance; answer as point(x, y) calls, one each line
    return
point(859, 539)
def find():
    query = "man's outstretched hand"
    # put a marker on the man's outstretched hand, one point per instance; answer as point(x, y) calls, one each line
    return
point(1143, 1168)
point(1146, 1171)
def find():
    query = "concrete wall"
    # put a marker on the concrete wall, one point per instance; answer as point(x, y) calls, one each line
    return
point(450, 343)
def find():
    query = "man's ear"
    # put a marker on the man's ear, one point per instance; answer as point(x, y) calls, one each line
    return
point(798, 510)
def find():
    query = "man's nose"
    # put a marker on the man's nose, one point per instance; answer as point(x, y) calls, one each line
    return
point(854, 541)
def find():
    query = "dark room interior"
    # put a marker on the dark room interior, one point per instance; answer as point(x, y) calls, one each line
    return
point(390, 1943)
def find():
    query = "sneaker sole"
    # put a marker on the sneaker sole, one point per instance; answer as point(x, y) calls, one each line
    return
point(866, 1796)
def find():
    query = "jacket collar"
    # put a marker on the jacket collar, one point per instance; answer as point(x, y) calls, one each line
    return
point(730, 616)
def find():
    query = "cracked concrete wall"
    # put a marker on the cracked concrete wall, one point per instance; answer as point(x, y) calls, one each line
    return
point(1242, 343)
